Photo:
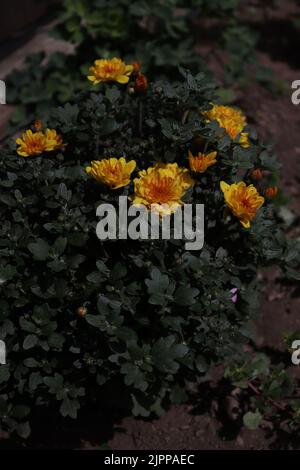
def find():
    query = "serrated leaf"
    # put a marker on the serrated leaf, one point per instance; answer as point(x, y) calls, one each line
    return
point(69, 407)
point(185, 296)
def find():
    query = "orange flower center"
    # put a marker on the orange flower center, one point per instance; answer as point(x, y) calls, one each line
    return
point(109, 68)
point(160, 190)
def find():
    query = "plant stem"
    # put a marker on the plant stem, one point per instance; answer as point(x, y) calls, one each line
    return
point(185, 115)
point(274, 403)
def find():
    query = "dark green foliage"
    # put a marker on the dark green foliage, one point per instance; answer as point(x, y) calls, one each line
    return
point(266, 391)
point(157, 315)
point(165, 34)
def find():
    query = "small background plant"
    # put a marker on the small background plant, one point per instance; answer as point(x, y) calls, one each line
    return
point(165, 35)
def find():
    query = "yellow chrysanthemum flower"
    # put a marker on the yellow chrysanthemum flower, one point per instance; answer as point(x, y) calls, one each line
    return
point(113, 172)
point(35, 143)
point(202, 161)
point(106, 70)
point(31, 143)
point(54, 141)
point(242, 200)
point(230, 119)
point(162, 187)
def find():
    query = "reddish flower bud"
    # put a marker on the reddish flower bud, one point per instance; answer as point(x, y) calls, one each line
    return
point(271, 192)
point(257, 174)
point(81, 311)
point(136, 67)
point(38, 125)
point(141, 83)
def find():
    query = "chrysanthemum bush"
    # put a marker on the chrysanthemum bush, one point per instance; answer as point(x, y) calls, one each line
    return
point(83, 319)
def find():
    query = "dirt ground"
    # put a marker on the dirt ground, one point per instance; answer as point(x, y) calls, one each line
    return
point(186, 426)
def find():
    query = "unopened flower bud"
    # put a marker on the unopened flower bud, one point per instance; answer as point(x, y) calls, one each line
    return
point(38, 125)
point(136, 67)
point(257, 174)
point(81, 311)
point(271, 192)
point(141, 83)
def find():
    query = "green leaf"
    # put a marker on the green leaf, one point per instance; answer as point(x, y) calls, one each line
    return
point(30, 341)
point(67, 114)
point(23, 430)
point(56, 340)
point(185, 296)
point(4, 373)
point(7, 273)
point(35, 379)
point(252, 420)
point(20, 411)
point(59, 246)
point(63, 192)
point(138, 409)
point(102, 268)
point(39, 249)
point(157, 287)
point(55, 383)
point(69, 408)
point(118, 272)
point(95, 277)
point(108, 126)
point(8, 200)
point(126, 334)
point(178, 394)
point(95, 320)
point(112, 94)
point(31, 362)
point(201, 364)
point(134, 376)
point(292, 274)
point(166, 352)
